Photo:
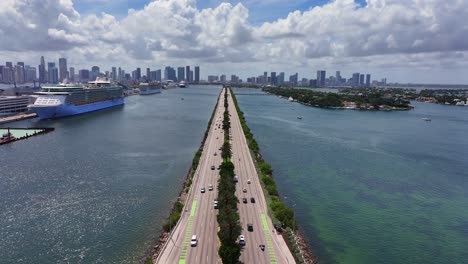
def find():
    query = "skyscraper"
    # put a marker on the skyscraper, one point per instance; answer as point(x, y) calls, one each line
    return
point(197, 74)
point(42, 71)
point(83, 75)
point(158, 75)
point(119, 77)
point(280, 79)
point(169, 74)
point(338, 77)
point(148, 70)
point(94, 73)
point(355, 79)
point(138, 74)
point(71, 76)
point(187, 70)
point(52, 72)
point(273, 78)
point(368, 80)
point(181, 74)
point(361, 79)
point(265, 77)
point(114, 73)
point(321, 78)
point(63, 73)
point(293, 79)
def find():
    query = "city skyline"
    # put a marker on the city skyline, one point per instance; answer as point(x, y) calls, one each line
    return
point(20, 73)
point(410, 42)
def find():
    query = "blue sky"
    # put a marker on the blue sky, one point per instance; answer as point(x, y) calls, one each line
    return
point(260, 10)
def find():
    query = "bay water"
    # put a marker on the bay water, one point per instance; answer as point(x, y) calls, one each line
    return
point(369, 187)
point(99, 188)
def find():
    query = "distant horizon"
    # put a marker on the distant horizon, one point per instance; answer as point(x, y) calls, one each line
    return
point(409, 42)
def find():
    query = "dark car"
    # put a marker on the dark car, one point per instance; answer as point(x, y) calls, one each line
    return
point(244, 200)
point(212, 167)
point(250, 227)
point(252, 200)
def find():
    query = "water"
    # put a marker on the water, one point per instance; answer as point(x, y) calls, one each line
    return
point(370, 187)
point(99, 187)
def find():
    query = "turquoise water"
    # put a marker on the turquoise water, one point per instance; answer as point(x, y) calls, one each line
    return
point(99, 187)
point(370, 187)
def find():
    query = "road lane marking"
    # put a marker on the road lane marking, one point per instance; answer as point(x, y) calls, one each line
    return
point(188, 233)
point(269, 243)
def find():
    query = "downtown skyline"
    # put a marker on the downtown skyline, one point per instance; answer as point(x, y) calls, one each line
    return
point(411, 42)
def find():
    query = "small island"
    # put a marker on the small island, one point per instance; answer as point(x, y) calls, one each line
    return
point(368, 99)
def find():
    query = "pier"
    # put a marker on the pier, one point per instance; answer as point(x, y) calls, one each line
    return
point(10, 135)
point(13, 118)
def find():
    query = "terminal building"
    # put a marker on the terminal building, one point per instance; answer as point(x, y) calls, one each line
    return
point(14, 104)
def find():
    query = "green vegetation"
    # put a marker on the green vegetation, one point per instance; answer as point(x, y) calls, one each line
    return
point(228, 216)
point(364, 99)
point(174, 217)
point(148, 260)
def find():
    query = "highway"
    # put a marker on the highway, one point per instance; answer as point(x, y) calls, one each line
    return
point(199, 216)
point(276, 250)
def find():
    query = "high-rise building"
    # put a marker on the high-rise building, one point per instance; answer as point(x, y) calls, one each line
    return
point(321, 78)
point(191, 76)
point(338, 77)
point(31, 74)
point(9, 64)
point(158, 75)
point(293, 79)
point(94, 73)
point(19, 74)
point(170, 74)
point(361, 79)
point(148, 70)
point(52, 72)
point(273, 78)
point(42, 71)
point(119, 77)
point(7, 75)
point(197, 74)
point(63, 73)
point(222, 78)
point(265, 77)
point(187, 70)
point(355, 79)
point(368, 81)
point(114, 73)
point(84, 75)
point(234, 79)
point(281, 78)
point(138, 74)
point(181, 74)
point(71, 74)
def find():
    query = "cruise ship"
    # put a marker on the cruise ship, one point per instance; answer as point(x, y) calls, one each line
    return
point(10, 105)
point(71, 99)
point(149, 88)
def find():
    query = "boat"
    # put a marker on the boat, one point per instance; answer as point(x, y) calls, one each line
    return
point(182, 84)
point(426, 119)
point(299, 117)
point(73, 99)
point(149, 88)
point(290, 99)
point(7, 137)
point(169, 84)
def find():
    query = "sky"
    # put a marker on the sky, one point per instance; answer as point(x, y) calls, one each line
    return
point(406, 41)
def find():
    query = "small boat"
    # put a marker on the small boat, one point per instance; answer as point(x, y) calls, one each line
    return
point(290, 99)
point(426, 119)
point(299, 117)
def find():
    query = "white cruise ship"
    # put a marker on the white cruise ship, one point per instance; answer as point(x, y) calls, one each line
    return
point(149, 88)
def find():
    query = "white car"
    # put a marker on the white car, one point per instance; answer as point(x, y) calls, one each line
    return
point(248, 181)
point(210, 187)
point(194, 241)
point(241, 240)
point(203, 190)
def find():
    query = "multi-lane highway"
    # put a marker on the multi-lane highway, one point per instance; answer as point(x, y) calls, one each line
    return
point(199, 216)
point(276, 250)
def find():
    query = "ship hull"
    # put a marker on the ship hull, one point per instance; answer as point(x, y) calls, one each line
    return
point(48, 112)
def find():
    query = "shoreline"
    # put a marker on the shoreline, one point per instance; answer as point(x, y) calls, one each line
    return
point(299, 243)
point(161, 240)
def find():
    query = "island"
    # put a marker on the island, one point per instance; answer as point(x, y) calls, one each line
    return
point(364, 99)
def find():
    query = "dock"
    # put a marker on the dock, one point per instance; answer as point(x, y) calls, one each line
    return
point(18, 117)
point(10, 135)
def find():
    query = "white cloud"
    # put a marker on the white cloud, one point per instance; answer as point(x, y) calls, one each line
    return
point(339, 35)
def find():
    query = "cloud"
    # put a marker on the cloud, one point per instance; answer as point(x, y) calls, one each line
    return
point(340, 33)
